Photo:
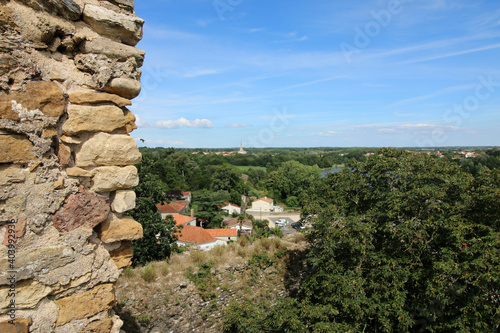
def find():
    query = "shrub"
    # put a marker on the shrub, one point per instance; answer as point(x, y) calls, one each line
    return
point(149, 273)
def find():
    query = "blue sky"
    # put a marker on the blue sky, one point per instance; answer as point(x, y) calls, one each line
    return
point(319, 73)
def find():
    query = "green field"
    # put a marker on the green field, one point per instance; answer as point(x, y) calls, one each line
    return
point(246, 168)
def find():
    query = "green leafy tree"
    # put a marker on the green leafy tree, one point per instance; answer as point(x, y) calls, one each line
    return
point(399, 243)
point(406, 243)
point(158, 241)
point(293, 179)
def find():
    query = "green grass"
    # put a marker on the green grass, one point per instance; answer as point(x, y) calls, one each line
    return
point(246, 168)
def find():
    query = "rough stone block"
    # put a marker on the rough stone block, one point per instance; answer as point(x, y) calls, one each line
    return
point(124, 87)
point(100, 298)
point(15, 148)
point(113, 49)
point(19, 230)
point(31, 261)
point(116, 229)
point(86, 118)
point(103, 326)
point(28, 294)
point(123, 255)
point(84, 209)
point(108, 149)
point(42, 95)
point(21, 325)
point(112, 178)
point(93, 97)
point(64, 154)
point(110, 23)
point(123, 201)
point(10, 174)
point(78, 172)
point(66, 8)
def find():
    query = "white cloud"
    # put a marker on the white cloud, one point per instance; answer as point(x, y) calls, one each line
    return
point(183, 122)
point(329, 133)
point(141, 123)
point(237, 125)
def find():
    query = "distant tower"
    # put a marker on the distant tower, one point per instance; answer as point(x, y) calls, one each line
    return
point(241, 151)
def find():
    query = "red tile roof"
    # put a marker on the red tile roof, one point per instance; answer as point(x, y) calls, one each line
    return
point(229, 204)
point(234, 221)
point(181, 219)
point(173, 207)
point(186, 194)
point(191, 234)
point(266, 199)
point(222, 232)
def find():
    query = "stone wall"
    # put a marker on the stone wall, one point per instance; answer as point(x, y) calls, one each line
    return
point(68, 69)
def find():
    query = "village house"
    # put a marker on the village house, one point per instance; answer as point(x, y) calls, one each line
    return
point(230, 208)
point(185, 220)
point(173, 208)
point(197, 237)
point(264, 205)
point(223, 234)
point(235, 224)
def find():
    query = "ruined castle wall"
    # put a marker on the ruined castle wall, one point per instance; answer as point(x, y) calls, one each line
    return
point(68, 70)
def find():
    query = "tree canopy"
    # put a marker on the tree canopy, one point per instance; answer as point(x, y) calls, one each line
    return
point(399, 243)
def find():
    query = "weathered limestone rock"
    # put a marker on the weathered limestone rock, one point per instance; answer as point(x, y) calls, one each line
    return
point(130, 121)
point(86, 118)
point(129, 3)
point(107, 149)
point(123, 255)
point(123, 201)
point(74, 140)
point(112, 178)
point(64, 154)
point(44, 317)
point(15, 148)
point(28, 294)
point(109, 23)
point(33, 260)
point(66, 8)
point(67, 71)
point(39, 95)
point(21, 325)
point(78, 172)
point(84, 209)
point(99, 326)
point(10, 174)
point(19, 230)
point(93, 97)
point(98, 299)
point(112, 49)
point(124, 87)
point(116, 229)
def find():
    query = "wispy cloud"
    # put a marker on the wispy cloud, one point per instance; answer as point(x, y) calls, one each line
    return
point(237, 125)
point(434, 94)
point(183, 122)
point(305, 84)
point(202, 72)
point(451, 54)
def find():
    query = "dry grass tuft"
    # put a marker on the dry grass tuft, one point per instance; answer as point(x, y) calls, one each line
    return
point(149, 273)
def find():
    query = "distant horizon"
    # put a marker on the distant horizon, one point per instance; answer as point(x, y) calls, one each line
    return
point(328, 147)
point(319, 73)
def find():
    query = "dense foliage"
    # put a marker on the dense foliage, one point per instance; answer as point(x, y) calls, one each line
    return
point(399, 243)
point(159, 240)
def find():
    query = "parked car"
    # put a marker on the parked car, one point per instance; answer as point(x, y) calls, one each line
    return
point(298, 225)
point(280, 223)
